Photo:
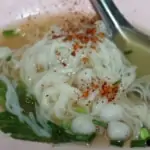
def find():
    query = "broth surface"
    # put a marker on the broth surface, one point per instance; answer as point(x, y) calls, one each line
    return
point(35, 27)
point(140, 50)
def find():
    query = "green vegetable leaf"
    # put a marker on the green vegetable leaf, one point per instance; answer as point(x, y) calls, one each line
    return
point(18, 130)
point(3, 85)
point(11, 124)
point(3, 90)
point(59, 135)
point(27, 100)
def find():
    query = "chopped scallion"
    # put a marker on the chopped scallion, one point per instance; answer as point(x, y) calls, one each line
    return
point(100, 123)
point(144, 134)
point(148, 142)
point(117, 82)
point(81, 110)
point(66, 125)
point(138, 143)
point(116, 143)
point(11, 32)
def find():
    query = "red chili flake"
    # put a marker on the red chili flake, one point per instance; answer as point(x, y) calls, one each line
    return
point(81, 47)
point(76, 46)
point(104, 84)
point(94, 39)
point(91, 31)
point(93, 47)
point(80, 36)
point(95, 86)
point(68, 38)
point(115, 89)
point(86, 39)
point(64, 64)
point(111, 99)
point(85, 60)
point(101, 35)
point(56, 36)
point(74, 35)
point(85, 94)
point(73, 53)
point(102, 92)
point(109, 91)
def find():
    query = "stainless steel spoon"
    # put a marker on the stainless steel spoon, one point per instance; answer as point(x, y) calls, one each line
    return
point(133, 43)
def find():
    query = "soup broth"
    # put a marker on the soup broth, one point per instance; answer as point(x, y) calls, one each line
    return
point(137, 48)
point(34, 28)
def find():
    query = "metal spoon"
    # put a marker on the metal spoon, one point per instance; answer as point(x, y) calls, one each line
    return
point(126, 37)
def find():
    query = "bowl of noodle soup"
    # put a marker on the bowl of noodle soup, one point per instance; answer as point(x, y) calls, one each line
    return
point(64, 84)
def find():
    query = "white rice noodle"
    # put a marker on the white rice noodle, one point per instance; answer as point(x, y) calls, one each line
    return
point(108, 63)
point(136, 114)
point(142, 87)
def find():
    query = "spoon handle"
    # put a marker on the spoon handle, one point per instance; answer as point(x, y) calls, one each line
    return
point(111, 16)
point(125, 36)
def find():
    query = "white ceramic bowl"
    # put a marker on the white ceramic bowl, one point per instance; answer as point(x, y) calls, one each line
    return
point(136, 11)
